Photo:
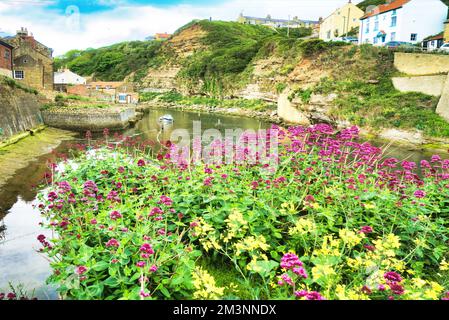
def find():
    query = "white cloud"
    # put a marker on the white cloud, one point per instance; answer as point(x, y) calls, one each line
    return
point(62, 32)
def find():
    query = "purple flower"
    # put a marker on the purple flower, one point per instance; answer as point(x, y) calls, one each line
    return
point(300, 271)
point(419, 194)
point(289, 260)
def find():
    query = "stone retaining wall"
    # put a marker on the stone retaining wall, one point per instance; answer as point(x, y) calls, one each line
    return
point(116, 118)
point(431, 85)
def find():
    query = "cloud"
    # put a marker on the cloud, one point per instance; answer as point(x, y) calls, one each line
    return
point(72, 29)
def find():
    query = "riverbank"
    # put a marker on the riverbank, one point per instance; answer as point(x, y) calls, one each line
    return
point(18, 155)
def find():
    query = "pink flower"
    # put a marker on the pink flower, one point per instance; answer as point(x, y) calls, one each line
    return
point(419, 194)
point(143, 294)
point(285, 277)
point(392, 276)
point(80, 270)
point(153, 268)
point(141, 264)
point(300, 271)
point(146, 247)
point(93, 221)
point(112, 243)
point(141, 163)
point(115, 215)
point(366, 229)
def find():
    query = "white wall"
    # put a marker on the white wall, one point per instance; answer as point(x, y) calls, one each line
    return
point(423, 17)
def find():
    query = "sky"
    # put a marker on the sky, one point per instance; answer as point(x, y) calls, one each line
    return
point(79, 24)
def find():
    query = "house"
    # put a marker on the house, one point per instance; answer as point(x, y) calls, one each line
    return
point(278, 23)
point(433, 42)
point(32, 61)
point(341, 22)
point(64, 78)
point(109, 91)
point(162, 36)
point(402, 20)
point(6, 52)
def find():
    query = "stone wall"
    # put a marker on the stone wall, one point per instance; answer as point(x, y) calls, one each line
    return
point(416, 64)
point(114, 118)
point(19, 111)
point(431, 85)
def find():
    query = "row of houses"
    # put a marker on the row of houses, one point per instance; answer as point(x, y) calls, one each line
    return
point(280, 23)
point(411, 21)
point(28, 61)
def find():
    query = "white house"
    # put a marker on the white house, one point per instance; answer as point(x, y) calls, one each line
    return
point(402, 20)
point(66, 76)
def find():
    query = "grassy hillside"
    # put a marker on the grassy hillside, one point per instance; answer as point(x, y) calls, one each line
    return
point(111, 63)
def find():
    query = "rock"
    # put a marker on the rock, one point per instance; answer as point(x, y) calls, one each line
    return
point(402, 136)
point(318, 99)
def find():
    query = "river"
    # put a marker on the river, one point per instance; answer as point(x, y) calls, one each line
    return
point(20, 263)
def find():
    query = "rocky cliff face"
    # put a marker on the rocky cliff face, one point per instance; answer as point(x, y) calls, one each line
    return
point(19, 111)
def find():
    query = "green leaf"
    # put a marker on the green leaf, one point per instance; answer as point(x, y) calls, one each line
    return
point(100, 266)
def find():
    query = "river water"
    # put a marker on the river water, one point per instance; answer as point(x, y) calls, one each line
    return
point(19, 219)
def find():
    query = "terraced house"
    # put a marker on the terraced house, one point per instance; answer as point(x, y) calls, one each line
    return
point(32, 61)
point(402, 20)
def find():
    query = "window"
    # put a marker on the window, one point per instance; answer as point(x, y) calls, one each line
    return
point(367, 27)
point(376, 24)
point(329, 34)
point(7, 54)
point(376, 40)
point(393, 36)
point(394, 21)
point(413, 37)
point(18, 74)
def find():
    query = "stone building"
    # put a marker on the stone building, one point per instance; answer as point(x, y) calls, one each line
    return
point(5, 59)
point(340, 22)
point(32, 61)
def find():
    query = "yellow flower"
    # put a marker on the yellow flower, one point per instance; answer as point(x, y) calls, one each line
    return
point(205, 287)
point(303, 226)
point(350, 237)
point(444, 266)
point(370, 206)
point(251, 243)
point(322, 271)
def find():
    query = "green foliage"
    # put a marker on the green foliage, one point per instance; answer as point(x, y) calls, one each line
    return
point(366, 3)
point(280, 87)
point(313, 47)
point(112, 63)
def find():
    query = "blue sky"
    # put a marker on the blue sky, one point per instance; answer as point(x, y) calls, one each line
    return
point(93, 6)
point(79, 24)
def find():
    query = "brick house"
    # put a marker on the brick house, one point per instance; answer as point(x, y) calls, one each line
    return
point(32, 61)
point(6, 52)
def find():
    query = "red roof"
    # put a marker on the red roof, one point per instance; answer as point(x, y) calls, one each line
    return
point(385, 7)
point(437, 37)
point(163, 35)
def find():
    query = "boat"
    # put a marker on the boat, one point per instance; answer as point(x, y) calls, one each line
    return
point(166, 118)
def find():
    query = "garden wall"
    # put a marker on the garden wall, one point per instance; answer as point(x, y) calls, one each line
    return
point(115, 118)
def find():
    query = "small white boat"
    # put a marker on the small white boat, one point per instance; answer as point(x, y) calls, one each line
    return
point(166, 118)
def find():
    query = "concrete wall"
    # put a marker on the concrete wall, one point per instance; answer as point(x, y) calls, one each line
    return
point(421, 64)
point(288, 113)
point(431, 85)
point(89, 119)
point(19, 111)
